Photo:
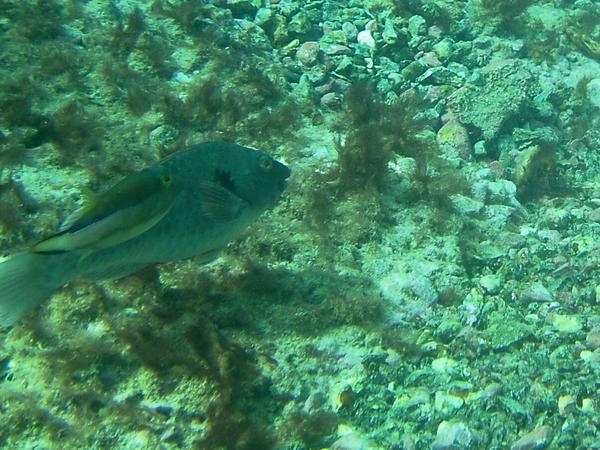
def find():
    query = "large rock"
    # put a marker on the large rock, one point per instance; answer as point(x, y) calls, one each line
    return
point(506, 87)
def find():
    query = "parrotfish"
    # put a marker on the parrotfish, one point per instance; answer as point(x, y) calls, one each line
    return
point(191, 204)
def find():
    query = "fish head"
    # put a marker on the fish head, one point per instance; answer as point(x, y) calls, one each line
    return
point(253, 176)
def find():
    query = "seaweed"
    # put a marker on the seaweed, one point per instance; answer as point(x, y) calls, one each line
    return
point(376, 132)
point(126, 33)
point(194, 17)
point(16, 103)
point(73, 128)
point(233, 421)
point(156, 50)
point(38, 20)
point(232, 102)
point(503, 13)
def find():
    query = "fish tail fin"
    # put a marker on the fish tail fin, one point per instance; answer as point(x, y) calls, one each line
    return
point(26, 280)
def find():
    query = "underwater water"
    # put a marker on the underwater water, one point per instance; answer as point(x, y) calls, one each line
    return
point(427, 279)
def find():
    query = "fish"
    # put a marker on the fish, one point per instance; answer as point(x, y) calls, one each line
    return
point(190, 204)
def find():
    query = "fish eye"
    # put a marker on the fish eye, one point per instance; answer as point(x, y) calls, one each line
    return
point(266, 163)
point(167, 179)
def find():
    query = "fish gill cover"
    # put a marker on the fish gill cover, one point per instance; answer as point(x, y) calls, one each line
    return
point(427, 280)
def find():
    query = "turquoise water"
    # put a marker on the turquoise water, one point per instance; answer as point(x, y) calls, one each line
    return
point(427, 280)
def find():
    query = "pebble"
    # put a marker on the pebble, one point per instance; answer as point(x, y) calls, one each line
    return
point(454, 138)
point(366, 39)
point(592, 339)
point(263, 15)
point(566, 405)
point(587, 406)
point(442, 75)
point(352, 441)
point(594, 215)
point(490, 283)
point(417, 26)
point(350, 30)
point(446, 403)
point(336, 49)
point(452, 436)
point(534, 440)
point(567, 324)
point(308, 53)
point(535, 292)
point(331, 100)
point(593, 92)
point(431, 60)
point(443, 49)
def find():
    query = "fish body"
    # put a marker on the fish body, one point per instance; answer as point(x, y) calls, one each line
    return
point(190, 204)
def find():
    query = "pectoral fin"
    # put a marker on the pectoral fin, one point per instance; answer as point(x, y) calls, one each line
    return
point(218, 203)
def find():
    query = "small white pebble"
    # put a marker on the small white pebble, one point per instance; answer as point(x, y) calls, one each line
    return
point(587, 406)
point(365, 38)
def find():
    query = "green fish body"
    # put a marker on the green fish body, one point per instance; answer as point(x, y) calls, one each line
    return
point(190, 204)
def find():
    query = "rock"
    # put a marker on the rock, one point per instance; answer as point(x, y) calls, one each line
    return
point(352, 441)
point(594, 215)
point(453, 140)
point(566, 405)
point(535, 440)
point(564, 323)
point(417, 26)
point(593, 92)
point(506, 330)
point(591, 358)
point(530, 164)
point(466, 206)
point(413, 70)
point(592, 339)
point(442, 75)
point(241, 8)
point(308, 53)
point(350, 30)
point(447, 404)
point(535, 292)
point(389, 34)
point(443, 49)
point(365, 39)
point(263, 16)
point(479, 148)
point(331, 100)
point(431, 60)
point(507, 87)
point(587, 406)
point(490, 283)
point(452, 436)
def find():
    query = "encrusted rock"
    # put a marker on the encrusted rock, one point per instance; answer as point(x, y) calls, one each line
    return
point(507, 87)
point(453, 139)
